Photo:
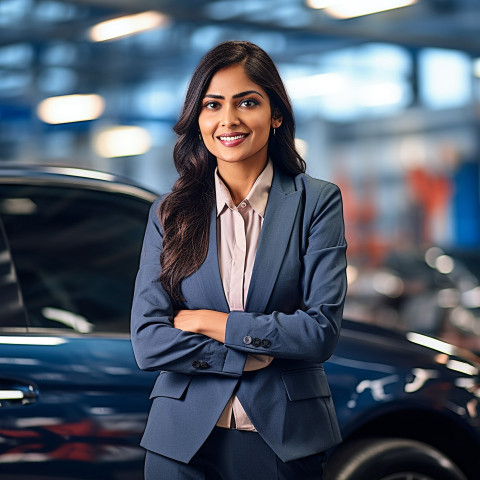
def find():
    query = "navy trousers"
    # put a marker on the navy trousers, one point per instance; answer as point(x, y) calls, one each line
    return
point(234, 455)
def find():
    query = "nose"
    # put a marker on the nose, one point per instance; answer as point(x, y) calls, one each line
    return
point(229, 116)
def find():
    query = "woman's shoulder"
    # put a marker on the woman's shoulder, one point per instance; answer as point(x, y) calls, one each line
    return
point(314, 186)
point(154, 209)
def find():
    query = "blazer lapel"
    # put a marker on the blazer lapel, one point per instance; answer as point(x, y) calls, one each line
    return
point(208, 275)
point(277, 226)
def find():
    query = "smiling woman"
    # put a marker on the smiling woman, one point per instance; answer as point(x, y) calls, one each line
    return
point(239, 296)
point(235, 123)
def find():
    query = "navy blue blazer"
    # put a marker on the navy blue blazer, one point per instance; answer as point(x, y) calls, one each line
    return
point(293, 313)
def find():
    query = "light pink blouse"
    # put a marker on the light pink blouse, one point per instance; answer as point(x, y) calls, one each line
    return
point(238, 233)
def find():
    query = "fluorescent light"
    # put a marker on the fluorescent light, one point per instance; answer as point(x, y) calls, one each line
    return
point(127, 25)
point(122, 141)
point(71, 108)
point(355, 8)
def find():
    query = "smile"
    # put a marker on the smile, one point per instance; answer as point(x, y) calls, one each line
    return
point(225, 138)
point(232, 140)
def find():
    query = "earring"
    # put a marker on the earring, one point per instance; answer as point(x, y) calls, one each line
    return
point(274, 131)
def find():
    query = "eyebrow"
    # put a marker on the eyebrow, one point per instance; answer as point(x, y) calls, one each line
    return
point(237, 95)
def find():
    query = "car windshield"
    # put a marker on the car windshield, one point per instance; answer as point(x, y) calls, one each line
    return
point(76, 253)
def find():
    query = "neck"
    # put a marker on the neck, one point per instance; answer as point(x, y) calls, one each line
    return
point(239, 178)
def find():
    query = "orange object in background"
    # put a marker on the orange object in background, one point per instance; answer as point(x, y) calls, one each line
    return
point(431, 193)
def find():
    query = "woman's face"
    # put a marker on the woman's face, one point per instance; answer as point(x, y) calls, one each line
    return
point(235, 118)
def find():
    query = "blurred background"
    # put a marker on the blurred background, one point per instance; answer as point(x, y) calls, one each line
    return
point(386, 102)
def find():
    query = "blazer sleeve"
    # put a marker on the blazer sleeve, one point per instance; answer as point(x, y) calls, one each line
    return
point(311, 332)
point(157, 344)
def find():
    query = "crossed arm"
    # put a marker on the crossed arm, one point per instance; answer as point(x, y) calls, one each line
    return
point(207, 322)
point(308, 333)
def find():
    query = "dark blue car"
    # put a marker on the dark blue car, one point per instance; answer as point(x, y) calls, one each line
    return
point(73, 403)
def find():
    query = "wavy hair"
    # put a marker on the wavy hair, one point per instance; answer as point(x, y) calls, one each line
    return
point(185, 212)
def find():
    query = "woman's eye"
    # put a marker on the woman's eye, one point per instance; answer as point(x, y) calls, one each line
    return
point(210, 105)
point(248, 102)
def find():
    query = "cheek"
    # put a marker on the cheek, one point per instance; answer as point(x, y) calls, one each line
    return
point(264, 121)
point(206, 125)
point(263, 126)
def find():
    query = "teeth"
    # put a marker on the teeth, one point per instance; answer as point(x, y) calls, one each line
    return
point(230, 139)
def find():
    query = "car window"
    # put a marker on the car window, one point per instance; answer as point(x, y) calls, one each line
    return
point(11, 307)
point(76, 254)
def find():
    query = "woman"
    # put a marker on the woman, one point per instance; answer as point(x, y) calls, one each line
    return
point(240, 291)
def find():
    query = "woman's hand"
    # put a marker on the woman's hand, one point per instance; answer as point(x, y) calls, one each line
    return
point(207, 322)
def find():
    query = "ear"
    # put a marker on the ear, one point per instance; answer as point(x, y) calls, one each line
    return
point(276, 119)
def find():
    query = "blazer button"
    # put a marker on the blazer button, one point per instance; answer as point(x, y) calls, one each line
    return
point(266, 343)
point(247, 340)
point(196, 364)
point(204, 364)
point(256, 342)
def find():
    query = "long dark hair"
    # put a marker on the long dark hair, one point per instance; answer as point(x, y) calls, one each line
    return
point(185, 212)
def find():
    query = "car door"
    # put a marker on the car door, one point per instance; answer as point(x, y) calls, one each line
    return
point(72, 401)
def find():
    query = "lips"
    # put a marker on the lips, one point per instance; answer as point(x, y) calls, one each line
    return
point(232, 139)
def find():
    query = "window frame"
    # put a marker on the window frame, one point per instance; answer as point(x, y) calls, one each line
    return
point(51, 179)
point(12, 293)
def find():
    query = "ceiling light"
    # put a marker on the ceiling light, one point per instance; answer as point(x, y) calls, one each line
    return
point(127, 25)
point(353, 8)
point(122, 141)
point(71, 108)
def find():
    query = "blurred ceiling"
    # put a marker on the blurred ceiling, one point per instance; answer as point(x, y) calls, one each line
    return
point(55, 32)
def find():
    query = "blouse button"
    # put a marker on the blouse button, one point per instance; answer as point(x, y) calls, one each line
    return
point(243, 204)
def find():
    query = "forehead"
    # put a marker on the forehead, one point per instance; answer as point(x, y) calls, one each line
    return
point(231, 80)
